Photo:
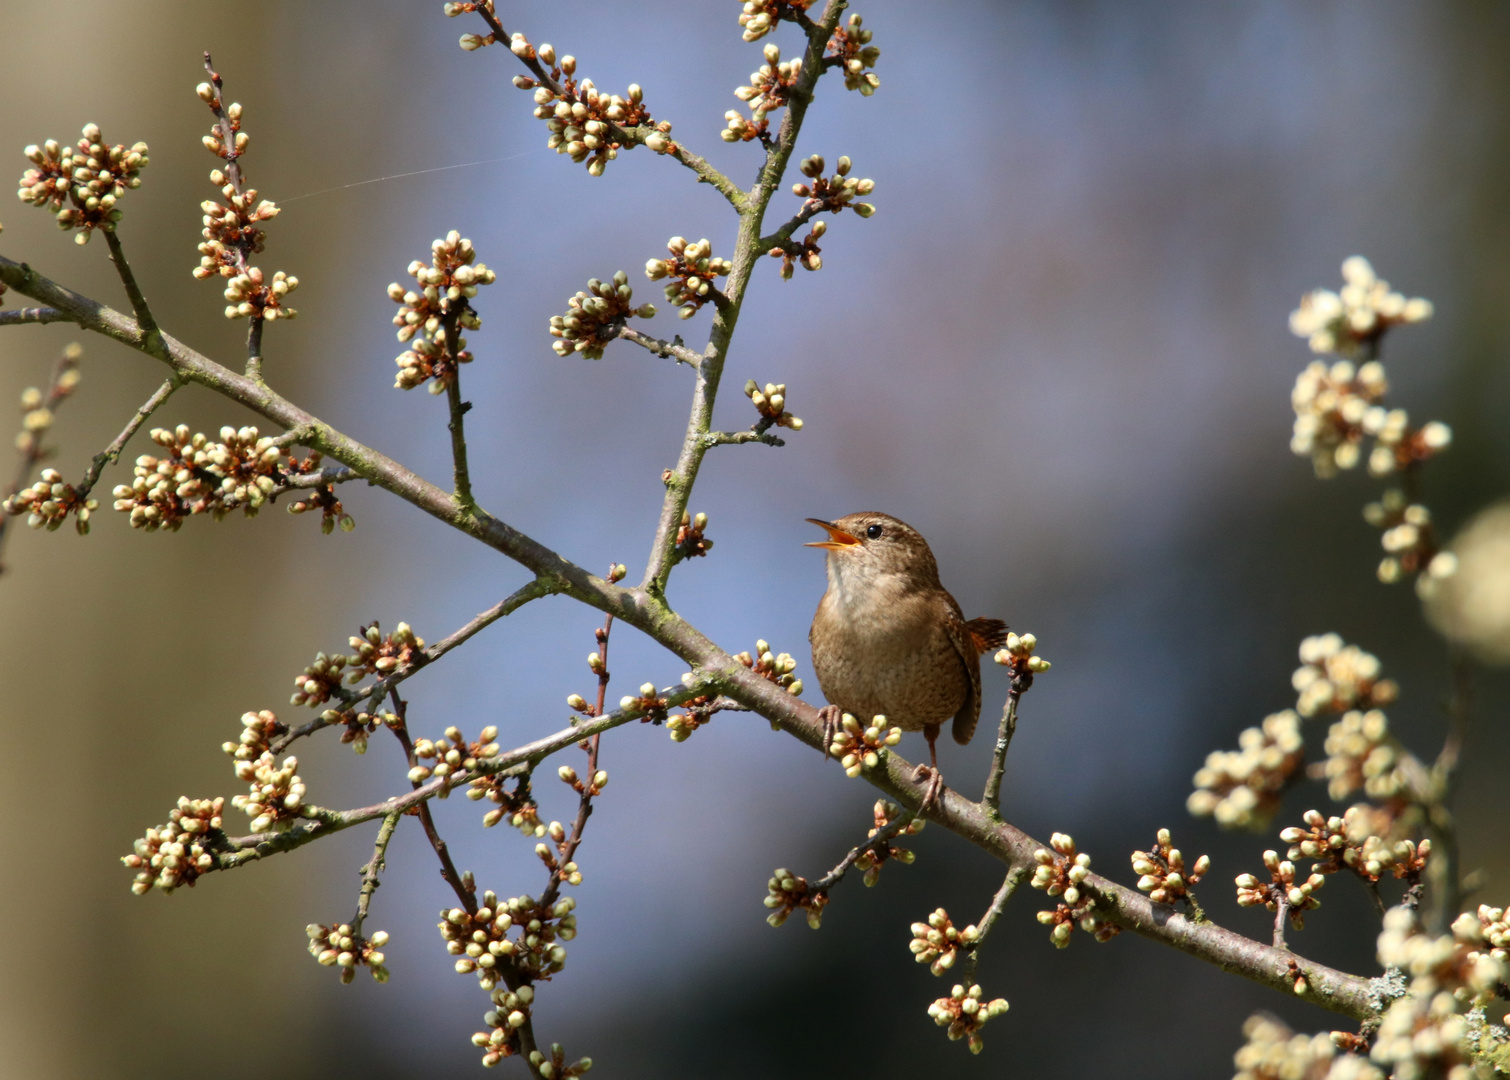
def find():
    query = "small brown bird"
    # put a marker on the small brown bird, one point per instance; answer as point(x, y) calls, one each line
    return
point(888, 639)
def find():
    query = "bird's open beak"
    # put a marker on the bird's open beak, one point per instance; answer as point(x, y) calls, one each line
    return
point(837, 540)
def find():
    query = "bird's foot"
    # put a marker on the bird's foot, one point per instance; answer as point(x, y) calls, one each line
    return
point(829, 716)
point(935, 786)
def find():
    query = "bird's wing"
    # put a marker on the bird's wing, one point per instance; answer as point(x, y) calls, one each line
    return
point(962, 637)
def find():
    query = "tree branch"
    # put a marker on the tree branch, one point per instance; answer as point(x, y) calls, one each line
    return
point(112, 453)
point(673, 349)
point(38, 315)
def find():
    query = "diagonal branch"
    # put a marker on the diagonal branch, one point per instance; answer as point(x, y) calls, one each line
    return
point(112, 453)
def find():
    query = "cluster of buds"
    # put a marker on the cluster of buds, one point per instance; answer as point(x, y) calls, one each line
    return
point(938, 942)
point(594, 318)
point(1334, 677)
point(341, 946)
point(850, 47)
point(1464, 963)
point(964, 1013)
point(48, 502)
point(589, 787)
point(648, 703)
point(198, 476)
point(786, 892)
point(276, 798)
point(82, 183)
point(690, 541)
point(38, 408)
point(511, 1012)
point(381, 655)
point(873, 857)
point(249, 296)
point(258, 730)
point(1164, 876)
point(680, 726)
point(440, 309)
point(233, 229)
point(1425, 1035)
point(316, 683)
point(1017, 657)
point(452, 753)
point(356, 726)
point(1283, 886)
point(322, 498)
point(860, 747)
point(1407, 536)
point(1398, 446)
point(1494, 926)
point(833, 193)
point(1331, 404)
point(479, 939)
point(1242, 788)
point(773, 667)
point(691, 270)
point(560, 870)
point(1350, 323)
point(177, 853)
point(1361, 753)
point(1273, 1051)
point(518, 806)
point(759, 17)
point(770, 89)
point(584, 124)
point(770, 403)
point(807, 254)
point(1338, 406)
point(555, 1067)
point(1060, 873)
point(1348, 842)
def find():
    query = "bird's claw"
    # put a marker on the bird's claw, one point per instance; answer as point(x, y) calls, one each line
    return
point(829, 717)
point(935, 786)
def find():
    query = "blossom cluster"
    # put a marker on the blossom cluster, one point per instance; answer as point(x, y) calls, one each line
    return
point(786, 892)
point(178, 852)
point(938, 942)
point(1351, 322)
point(851, 49)
point(964, 1012)
point(586, 125)
point(1164, 876)
point(1334, 677)
point(233, 229)
point(770, 403)
point(196, 475)
point(480, 938)
point(1062, 873)
point(82, 184)
point(874, 856)
point(759, 17)
point(1350, 842)
point(691, 271)
point(342, 947)
point(594, 318)
point(860, 746)
point(769, 89)
point(1242, 788)
point(1284, 886)
point(48, 502)
point(437, 310)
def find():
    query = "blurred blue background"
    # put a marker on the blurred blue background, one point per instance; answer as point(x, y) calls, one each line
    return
point(1059, 349)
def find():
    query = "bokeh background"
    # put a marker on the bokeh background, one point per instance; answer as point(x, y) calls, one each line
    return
point(1059, 349)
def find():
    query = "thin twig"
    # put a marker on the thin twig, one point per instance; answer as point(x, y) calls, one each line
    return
point(448, 871)
point(998, 904)
point(673, 349)
point(1280, 912)
point(883, 836)
point(254, 348)
point(37, 315)
point(737, 438)
point(461, 479)
point(112, 453)
point(991, 798)
point(374, 867)
point(634, 136)
point(33, 453)
point(144, 317)
point(374, 693)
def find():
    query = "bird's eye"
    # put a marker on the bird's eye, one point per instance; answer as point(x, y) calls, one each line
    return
point(874, 532)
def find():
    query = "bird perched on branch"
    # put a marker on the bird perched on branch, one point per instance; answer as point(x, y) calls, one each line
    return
point(888, 639)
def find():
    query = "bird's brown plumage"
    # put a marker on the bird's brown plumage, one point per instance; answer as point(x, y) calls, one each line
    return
point(888, 638)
